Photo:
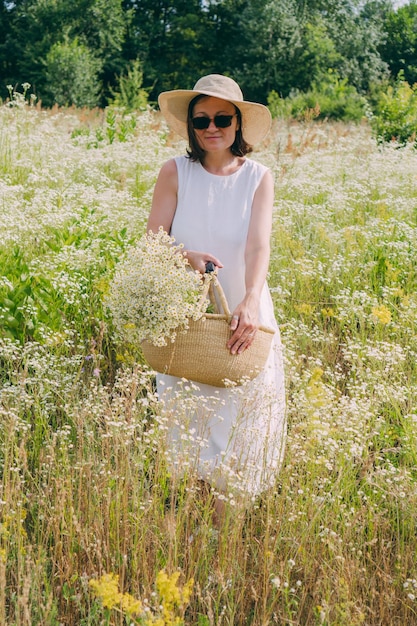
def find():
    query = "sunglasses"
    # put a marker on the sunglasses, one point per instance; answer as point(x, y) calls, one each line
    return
point(220, 121)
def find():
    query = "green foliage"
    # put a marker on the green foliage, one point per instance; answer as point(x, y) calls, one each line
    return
point(332, 98)
point(129, 92)
point(34, 28)
point(72, 72)
point(319, 54)
point(28, 300)
point(175, 42)
point(356, 29)
point(395, 117)
point(399, 47)
point(269, 50)
point(279, 107)
point(265, 45)
point(117, 126)
point(291, 45)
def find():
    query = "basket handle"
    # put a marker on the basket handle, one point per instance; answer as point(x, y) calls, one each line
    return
point(212, 287)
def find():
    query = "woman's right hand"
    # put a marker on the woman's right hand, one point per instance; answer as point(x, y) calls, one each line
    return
point(199, 260)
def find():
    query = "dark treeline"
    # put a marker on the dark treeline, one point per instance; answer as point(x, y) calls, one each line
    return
point(92, 52)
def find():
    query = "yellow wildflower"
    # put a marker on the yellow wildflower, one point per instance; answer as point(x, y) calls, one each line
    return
point(173, 597)
point(131, 605)
point(107, 589)
point(315, 390)
point(392, 272)
point(304, 308)
point(167, 588)
point(381, 314)
point(316, 375)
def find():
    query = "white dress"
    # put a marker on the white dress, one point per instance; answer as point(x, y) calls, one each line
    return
point(231, 437)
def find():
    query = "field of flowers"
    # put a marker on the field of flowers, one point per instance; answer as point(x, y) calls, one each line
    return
point(92, 529)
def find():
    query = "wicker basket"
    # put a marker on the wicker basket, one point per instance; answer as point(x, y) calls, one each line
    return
point(200, 353)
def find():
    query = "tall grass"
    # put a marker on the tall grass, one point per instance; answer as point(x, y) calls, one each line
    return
point(85, 487)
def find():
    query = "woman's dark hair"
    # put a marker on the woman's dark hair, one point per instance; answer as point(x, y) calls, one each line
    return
point(196, 153)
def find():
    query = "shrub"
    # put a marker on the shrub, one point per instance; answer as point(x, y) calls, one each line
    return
point(395, 115)
point(332, 98)
point(72, 75)
point(129, 93)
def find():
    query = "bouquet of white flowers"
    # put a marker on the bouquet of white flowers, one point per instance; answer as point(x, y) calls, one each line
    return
point(155, 292)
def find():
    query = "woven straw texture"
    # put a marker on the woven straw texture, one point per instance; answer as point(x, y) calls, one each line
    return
point(200, 353)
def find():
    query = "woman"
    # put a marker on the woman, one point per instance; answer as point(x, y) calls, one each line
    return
point(219, 205)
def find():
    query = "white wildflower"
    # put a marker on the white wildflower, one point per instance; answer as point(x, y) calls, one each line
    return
point(154, 293)
point(276, 582)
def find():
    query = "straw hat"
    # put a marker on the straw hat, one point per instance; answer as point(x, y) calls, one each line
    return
point(256, 118)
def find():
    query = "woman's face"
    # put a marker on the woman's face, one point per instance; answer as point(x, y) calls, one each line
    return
point(214, 137)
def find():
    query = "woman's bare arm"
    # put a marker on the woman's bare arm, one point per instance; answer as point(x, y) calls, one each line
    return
point(257, 252)
point(164, 201)
point(164, 204)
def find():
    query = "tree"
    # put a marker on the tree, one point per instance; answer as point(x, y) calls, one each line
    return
point(72, 74)
point(171, 39)
point(260, 41)
point(35, 26)
point(284, 46)
point(399, 50)
point(357, 28)
point(4, 28)
point(292, 44)
point(129, 93)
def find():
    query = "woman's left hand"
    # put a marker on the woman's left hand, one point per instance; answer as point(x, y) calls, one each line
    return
point(244, 323)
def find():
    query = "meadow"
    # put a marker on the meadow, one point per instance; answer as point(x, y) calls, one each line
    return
point(92, 529)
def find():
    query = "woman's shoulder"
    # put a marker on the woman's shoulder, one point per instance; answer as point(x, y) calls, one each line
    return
point(170, 166)
point(256, 170)
point(178, 162)
point(174, 166)
point(256, 166)
point(177, 169)
point(168, 174)
point(168, 169)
